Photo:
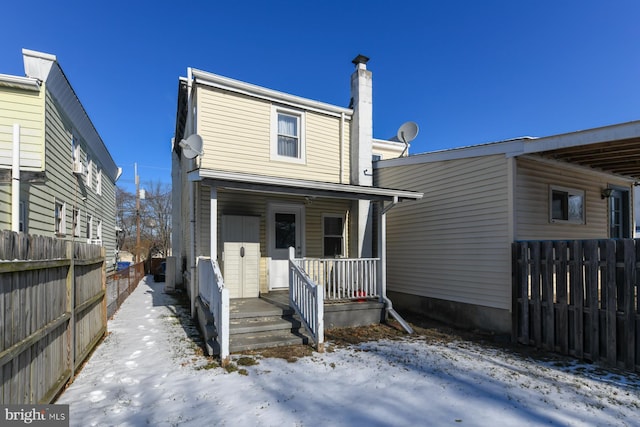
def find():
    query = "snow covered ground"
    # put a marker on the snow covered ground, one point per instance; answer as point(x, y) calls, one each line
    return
point(148, 372)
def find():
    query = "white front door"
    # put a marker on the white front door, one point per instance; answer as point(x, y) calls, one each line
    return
point(285, 229)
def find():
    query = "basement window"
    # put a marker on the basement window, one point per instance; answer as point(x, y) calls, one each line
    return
point(566, 205)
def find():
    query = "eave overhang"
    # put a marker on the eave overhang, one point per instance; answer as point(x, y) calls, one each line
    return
point(225, 83)
point(16, 82)
point(276, 185)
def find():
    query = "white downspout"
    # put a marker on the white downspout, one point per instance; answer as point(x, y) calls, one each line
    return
point(192, 204)
point(341, 147)
point(15, 180)
point(382, 245)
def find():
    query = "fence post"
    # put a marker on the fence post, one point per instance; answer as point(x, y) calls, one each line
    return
point(71, 308)
point(103, 254)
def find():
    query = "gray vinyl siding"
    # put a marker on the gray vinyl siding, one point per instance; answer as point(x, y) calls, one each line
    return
point(533, 182)
point(454, 244)
point(61, 184)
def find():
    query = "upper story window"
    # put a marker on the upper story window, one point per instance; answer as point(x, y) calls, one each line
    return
point(75, 150)
point(287, 135)
point(99, 182)
point(89, 173)
point(566, 205)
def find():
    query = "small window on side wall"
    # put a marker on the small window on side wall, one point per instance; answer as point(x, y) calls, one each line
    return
point(567, 205)
point(333, 232)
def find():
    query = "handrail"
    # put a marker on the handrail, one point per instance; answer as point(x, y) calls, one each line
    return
point(307, 299)
point(214, 293)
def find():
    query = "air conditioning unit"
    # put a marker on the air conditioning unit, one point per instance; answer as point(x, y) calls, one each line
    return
point(78, 168)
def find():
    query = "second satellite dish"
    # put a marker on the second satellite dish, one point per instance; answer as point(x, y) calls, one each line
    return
point(408, 132)
point(192, 146)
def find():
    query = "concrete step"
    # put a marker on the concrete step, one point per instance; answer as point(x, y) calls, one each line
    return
point(256, 308)
point(262, 324)
point(266, 339)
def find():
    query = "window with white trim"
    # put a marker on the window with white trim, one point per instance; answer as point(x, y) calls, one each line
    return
point(287, 135)
point(59, 215)
point(333, 235)
point(89, 227)
point(99, 230)
point(566, 205)
point(99, 182)
point(75, 150)
point(76, 222)
point(89, 174)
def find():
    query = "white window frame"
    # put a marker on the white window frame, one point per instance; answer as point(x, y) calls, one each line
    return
point(325, 235)
point(99, 182)
point(76, 222)
point(89, 175)
point(59, 217)
point(300, 115)
point(99, 231)
point(89, 227)
point(570, 192)
point(75, 150)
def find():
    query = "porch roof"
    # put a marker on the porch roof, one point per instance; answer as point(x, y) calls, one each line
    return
point(271, 184)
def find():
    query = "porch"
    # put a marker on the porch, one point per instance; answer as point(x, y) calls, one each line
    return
point(269, 321)
point(296, 315)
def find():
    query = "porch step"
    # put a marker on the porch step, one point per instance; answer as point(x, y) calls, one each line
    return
point(256, 323)
point(251, 325)
point(264, 340)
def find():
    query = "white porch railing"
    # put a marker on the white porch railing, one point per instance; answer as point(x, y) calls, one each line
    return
point(343, 278)
point(307, 299)
point(213, 292)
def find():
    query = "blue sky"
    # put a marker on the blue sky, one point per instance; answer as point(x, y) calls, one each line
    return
point(468, 72)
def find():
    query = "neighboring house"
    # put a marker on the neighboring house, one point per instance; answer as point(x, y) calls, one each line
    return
point(449, 255)
point(275, 171)
point(57, 178)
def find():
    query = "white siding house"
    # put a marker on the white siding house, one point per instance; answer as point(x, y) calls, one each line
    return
point(450, 253)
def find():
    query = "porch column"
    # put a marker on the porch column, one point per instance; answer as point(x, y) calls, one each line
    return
point(382, 252)
point(364, 229)
point(213, 224)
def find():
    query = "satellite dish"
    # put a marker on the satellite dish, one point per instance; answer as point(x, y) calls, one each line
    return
point(192, 146)
point(408, 132)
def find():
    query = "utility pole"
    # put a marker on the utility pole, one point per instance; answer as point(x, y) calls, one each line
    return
point(135, 165)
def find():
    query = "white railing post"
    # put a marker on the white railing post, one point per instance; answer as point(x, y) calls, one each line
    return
point(212, 288)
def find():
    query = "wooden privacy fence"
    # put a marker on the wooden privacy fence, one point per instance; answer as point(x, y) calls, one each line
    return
point(52, 313)
point(579, 298)
point(120, 284)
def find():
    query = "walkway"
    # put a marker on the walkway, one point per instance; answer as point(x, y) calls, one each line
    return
point(148, 372)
